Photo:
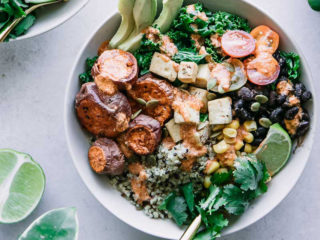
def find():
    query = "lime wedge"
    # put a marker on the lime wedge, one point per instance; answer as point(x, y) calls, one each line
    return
point(22, 183)
point(57, 224)
point(275, 150)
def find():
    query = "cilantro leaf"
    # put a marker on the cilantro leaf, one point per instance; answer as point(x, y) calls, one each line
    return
point(187, 190)
point(219, 178)
point(218, 222)
point(177, 207)
point(209, 202)
point(207, 234)
point(236, 199)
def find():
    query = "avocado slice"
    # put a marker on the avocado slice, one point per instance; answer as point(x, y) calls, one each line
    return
point(127, 24)
point(169, 12)
point(144, 12)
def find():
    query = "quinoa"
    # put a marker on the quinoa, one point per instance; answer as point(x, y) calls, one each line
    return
point(163, 177)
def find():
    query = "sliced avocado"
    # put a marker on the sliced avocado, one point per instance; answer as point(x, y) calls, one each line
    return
point(144, 12)
point(168, 14)
point(127, 24)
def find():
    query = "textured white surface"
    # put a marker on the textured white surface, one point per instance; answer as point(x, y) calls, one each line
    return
point(33, 74)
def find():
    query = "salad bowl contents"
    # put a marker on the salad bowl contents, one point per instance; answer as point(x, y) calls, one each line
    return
point(191, 116)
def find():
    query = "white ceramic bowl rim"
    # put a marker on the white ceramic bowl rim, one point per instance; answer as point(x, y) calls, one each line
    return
point(248, 222)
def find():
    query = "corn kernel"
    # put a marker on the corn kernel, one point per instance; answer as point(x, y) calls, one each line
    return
point(218, 127)
point(248, 138)
point(248, 148)
point(230, 140)
point(211, 167)
point(239, 144)
point(230, 132)
point(207, 182)
point(222, 170)
point(221, 147)
point(250, 126)
point(235, 124)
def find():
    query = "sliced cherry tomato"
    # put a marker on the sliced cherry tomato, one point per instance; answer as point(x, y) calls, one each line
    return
point(237, 43)
point(263, 69)
point(266, 39)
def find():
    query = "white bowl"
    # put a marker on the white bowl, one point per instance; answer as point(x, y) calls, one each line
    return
point(110, 198)
point(49, 17)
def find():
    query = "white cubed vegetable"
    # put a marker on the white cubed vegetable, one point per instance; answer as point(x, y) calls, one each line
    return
point(188, 72)
point(200, 94)
point(203, 76)
point(190, 115)
point(163, 66)
point(204, 130)
point(220, 111)
point(174, 130)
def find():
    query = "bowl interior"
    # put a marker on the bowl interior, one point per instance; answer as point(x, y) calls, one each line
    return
point(49, 17)
point(110, 198)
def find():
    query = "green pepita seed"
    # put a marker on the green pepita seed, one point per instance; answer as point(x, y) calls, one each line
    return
point(136, 114)
point(265, 122)
point(211, 83)
point(152, 103)
point(141, 101)
point(262, 98)
point(184, 86)
point(211, 96)
point(255, 107)
point(214, 135)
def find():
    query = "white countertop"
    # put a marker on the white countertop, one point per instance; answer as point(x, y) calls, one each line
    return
point(33, 76)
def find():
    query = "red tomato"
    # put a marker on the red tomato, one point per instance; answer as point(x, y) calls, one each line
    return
point(237, 43)
point(266, 39)
point(263, 69)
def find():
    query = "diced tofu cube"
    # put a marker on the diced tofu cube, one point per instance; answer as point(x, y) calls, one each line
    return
point(204, 131)
point(174, 130)
point(190, 115)
point(163, 66)
point(200, 94)
point(220, 111)
point(203, 76)
point(188, 72)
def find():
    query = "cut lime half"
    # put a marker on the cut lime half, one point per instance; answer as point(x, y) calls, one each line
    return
point(57, 224)
point(22, 183)
point(275, 150)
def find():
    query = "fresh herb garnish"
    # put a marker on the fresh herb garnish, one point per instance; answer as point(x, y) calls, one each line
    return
point(292, 65)
point(86, 76)
point(204, 117)
point(188, 56)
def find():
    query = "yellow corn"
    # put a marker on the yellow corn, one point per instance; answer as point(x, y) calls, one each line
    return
point(248, 138)
point(217, 127)
point(250, 126)
point(230, 140)
point(239, 144)
point(235, 124)
point(211, 167)
point(207, 182)
point(221, 147)
point(230, 132)
point(248, 148)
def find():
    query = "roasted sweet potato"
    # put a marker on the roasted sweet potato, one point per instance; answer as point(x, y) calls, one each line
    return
point(143, 135)
point(149, 88)
point(117, 67)
point(101, 114)
point(123, 145)
point(105, 157)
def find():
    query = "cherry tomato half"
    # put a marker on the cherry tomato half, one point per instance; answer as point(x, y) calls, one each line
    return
point(267, 41)
point(237, 43)
point(263, 69)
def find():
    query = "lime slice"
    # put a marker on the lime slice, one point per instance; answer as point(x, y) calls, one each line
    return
point(22, 184)
point(57, 224)
point(275, 150)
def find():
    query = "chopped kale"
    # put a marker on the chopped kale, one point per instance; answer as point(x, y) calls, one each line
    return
point(292, 65)
point(86, 76)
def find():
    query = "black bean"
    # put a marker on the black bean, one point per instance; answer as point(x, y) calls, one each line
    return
point(244, 114)
point(303, 128)
point(239, 104)
point(261, 132)
point(276, 115)
point(246, 94)
point(272, 98)
point(282, 62)
point(257, 141)
point(305, 116)
point(281, 99)
point(306, 96)
point(291, 113)
point(299, 89)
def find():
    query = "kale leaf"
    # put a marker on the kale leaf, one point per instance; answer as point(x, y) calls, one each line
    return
point(292, 65)
point(188, 56)
point(86, 76)
point(226, 21)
